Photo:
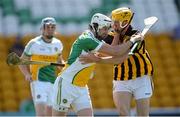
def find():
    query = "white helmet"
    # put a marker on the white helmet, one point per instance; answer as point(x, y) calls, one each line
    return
point(48, 20)
point(99, 21)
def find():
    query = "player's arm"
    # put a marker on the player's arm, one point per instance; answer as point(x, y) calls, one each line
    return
point(116, 40)
point(121, 49)
point(60, 57)
point(113, 59)
point(25, 69)
point(60, 60)
point(92, 58)
point(116, 50)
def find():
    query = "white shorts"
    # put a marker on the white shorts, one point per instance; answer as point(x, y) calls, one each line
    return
point(66, 95)
point(42, 92)
point(140, 87)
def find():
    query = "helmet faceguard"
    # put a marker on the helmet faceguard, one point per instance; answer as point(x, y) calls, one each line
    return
point(47, 21)
point(124, 15)
point(100, 21)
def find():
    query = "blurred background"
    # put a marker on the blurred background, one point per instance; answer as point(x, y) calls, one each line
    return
point(20, 22)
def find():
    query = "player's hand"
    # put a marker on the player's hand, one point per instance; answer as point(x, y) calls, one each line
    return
point(136, 37)
point(88, 58)
point(28, 77)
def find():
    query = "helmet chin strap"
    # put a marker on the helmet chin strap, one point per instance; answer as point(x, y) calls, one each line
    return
point(96, 34)
point(95, 30)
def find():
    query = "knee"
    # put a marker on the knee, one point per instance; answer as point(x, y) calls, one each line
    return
point(124, 111)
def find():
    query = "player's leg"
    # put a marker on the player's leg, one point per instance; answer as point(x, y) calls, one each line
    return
point(39, 97)
point(122, 101)
point(142, 95)
point(40, 109)
point(143, 107)
point(83, 105)
point(62, 98)
point(48, 108)
point(122, 97)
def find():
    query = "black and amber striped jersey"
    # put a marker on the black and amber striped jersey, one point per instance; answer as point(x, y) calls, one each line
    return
point(135, 65)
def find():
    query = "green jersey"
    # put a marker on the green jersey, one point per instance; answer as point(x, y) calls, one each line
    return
point(75, 72)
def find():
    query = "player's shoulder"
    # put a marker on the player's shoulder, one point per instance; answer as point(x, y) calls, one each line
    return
point(55, 39)
point(57, 42)
point(88, 34)
point(87, 38)
point(34, 40)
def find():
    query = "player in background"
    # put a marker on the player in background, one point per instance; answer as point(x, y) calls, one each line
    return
point(42, 48)
point(70, 88)
point(132, 75)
